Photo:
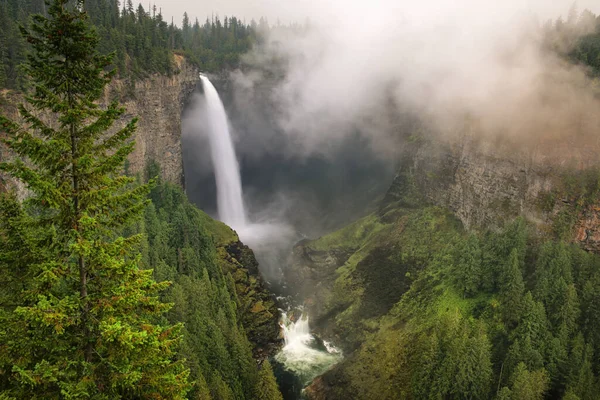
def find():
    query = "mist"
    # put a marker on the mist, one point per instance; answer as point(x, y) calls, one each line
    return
point(319, 113)
point(354, 68)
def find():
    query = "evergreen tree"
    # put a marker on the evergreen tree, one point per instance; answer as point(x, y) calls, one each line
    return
point(529, 385)
point(467, 270)
point(187, 29)
point(267, 386)
point(512, 288)
point(579, 377)
point(83, 323)
point(504, 394)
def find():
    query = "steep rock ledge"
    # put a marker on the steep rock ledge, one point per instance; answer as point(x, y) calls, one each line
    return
point(158, 102)
point(259, 313)
point(486, 187)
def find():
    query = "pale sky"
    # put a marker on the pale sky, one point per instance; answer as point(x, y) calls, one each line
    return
point(299, 10)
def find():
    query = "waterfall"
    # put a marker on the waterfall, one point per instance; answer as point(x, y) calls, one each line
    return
point(266, 237)
point(296, 334)
point(304, 354)
point(227, 172)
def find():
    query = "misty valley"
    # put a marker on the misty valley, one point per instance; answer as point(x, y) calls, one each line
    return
point(284, 201)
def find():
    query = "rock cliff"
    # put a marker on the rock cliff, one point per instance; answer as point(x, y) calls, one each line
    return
point(485, 186)
point(158, 102)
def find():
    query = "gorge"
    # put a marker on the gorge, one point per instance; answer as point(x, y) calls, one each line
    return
point(300, 355)
point(392, 204)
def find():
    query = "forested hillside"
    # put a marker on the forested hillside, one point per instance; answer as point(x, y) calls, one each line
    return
point(427, 310)
point(142, 40)
point(226, 311)
point(576, 38)
point(113, 286)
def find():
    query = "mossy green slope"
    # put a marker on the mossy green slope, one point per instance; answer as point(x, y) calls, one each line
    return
point(230, 319)
point(424, 309)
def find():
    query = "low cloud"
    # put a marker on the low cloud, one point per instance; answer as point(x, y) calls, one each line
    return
point(357, 68)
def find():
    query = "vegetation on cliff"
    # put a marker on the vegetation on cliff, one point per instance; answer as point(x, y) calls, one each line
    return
point(105, 293)
point(216, 293)
point(428, 310)
point(142, 41)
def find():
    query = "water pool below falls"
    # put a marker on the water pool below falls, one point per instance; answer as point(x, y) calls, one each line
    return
point(303, 358)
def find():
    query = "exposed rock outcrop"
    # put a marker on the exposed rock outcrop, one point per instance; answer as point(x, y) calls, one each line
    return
point(587, 229)
point(259, 313)
point(158, 102)
point(485, 187)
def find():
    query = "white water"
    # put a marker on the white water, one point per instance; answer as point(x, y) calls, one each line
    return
point(302, 353)
point(227, 171)
point(266, 238)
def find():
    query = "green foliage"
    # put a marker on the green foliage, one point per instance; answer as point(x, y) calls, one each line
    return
point(455, 361)
point(512, 288)
point(577, 39)
point(219, 313)
point(483, 315)
point(83, 320)
point(529, 385)
point(267, 388)
point(468, 268)
point(141, 40)
point(385, 259)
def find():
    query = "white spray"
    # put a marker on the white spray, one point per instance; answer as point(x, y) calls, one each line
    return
point(302, 353)
point(227, 171)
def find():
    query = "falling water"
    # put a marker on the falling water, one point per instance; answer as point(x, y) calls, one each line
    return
point(266, 237)
point(303, 354)
point(227, 172)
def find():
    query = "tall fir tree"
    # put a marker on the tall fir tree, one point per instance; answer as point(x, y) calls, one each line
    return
point(82, 321)
point(467, 268)
point(267, 387)
point(512, 289)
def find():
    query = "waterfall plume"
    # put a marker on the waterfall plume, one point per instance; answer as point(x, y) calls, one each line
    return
point(227, 172)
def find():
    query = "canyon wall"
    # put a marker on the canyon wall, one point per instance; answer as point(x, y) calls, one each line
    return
point(158, 102)
point(487, 185)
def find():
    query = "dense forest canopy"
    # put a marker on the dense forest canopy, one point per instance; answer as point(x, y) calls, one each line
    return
point(113, 288)
point(143, 41)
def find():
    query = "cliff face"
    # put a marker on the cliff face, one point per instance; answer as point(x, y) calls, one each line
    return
point(158, 102)
point(485, 187)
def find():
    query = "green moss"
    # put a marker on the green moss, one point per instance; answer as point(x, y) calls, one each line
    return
point(352, 236)
point(385, 259)
point(222, 234)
